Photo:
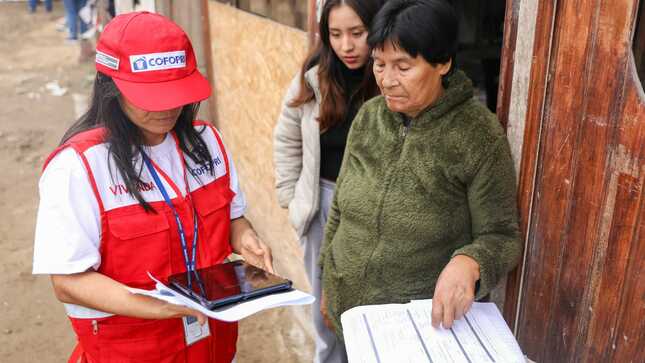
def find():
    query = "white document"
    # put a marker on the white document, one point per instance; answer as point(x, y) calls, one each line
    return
point(403, 333)
point(231, 313)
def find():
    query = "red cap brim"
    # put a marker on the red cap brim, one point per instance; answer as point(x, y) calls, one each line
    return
point(167, 95)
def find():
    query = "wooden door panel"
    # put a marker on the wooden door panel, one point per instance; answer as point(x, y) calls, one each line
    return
point(584, 296)
point(530, 143)
point(593, 201)
point(615, 294)
point(618, 322)
point(549, 248)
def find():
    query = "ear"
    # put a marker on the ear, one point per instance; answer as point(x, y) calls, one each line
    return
point(444, 68)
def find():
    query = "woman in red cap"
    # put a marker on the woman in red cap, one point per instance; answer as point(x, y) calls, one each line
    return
point(137, 186)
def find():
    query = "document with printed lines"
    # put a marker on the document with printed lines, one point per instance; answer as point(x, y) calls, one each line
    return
point(403, 333)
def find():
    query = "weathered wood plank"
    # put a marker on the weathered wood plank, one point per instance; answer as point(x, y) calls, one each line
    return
point(592, 203)
point(603, 333)
point(507, 61)
point(584, 293)
point(625, 338)
point(533, 122)
point(629, 340)
point(551, 211)
point(615, 241)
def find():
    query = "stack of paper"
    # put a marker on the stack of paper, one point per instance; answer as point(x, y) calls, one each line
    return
point(404, 333)
point(230, 313)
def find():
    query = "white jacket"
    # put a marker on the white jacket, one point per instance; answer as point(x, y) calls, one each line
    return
point(296, 154)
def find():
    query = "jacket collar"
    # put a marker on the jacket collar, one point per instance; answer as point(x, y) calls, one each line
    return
point(311, 76)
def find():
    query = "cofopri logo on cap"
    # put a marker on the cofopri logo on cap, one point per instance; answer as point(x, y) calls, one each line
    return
point(139, 65)
point(157, 61)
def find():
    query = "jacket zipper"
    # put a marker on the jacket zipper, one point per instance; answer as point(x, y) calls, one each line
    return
point(404, 130)
point(95, 327)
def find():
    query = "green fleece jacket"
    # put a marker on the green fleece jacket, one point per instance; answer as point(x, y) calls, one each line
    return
point(409, 198)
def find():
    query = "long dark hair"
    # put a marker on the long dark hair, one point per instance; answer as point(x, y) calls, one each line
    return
point(333, 105)
point(125, 140)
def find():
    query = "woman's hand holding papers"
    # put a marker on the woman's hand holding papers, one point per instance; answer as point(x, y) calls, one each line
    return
point(455, 291)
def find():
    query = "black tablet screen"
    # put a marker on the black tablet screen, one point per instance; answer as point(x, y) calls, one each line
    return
point(228, 283)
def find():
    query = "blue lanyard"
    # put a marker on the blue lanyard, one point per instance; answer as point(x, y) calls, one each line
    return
point(190, 264)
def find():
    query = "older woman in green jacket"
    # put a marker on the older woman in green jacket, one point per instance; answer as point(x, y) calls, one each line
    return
point(425, 203)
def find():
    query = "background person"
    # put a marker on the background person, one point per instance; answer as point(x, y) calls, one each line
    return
point(138, 186)
point(425, 205)
point(33, 3)
point(75, 25)
point(310, 135)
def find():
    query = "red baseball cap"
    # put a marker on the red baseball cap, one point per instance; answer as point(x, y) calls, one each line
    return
point(151, 61)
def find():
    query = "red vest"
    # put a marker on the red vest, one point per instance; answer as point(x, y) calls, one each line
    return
point(134, 242)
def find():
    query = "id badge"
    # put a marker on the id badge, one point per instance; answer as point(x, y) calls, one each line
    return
point(193, 331)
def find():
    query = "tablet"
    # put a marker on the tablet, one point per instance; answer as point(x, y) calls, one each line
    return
point(229, 283)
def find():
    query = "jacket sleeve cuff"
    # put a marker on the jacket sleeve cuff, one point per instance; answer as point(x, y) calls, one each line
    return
point(487, 276)
point(285, 196)
point(321, 257)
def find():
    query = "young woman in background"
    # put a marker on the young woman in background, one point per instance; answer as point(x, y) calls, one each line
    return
point(310, 135)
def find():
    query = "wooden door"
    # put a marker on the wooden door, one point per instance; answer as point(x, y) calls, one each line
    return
point(580, 296)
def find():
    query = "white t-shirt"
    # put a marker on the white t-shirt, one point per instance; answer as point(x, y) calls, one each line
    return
point(68, 227)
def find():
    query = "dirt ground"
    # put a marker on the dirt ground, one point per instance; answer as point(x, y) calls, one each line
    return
point(34, 60)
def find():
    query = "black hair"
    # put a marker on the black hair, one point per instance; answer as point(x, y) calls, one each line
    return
point(125, 140)
point(330, 75)
point(426, 27)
